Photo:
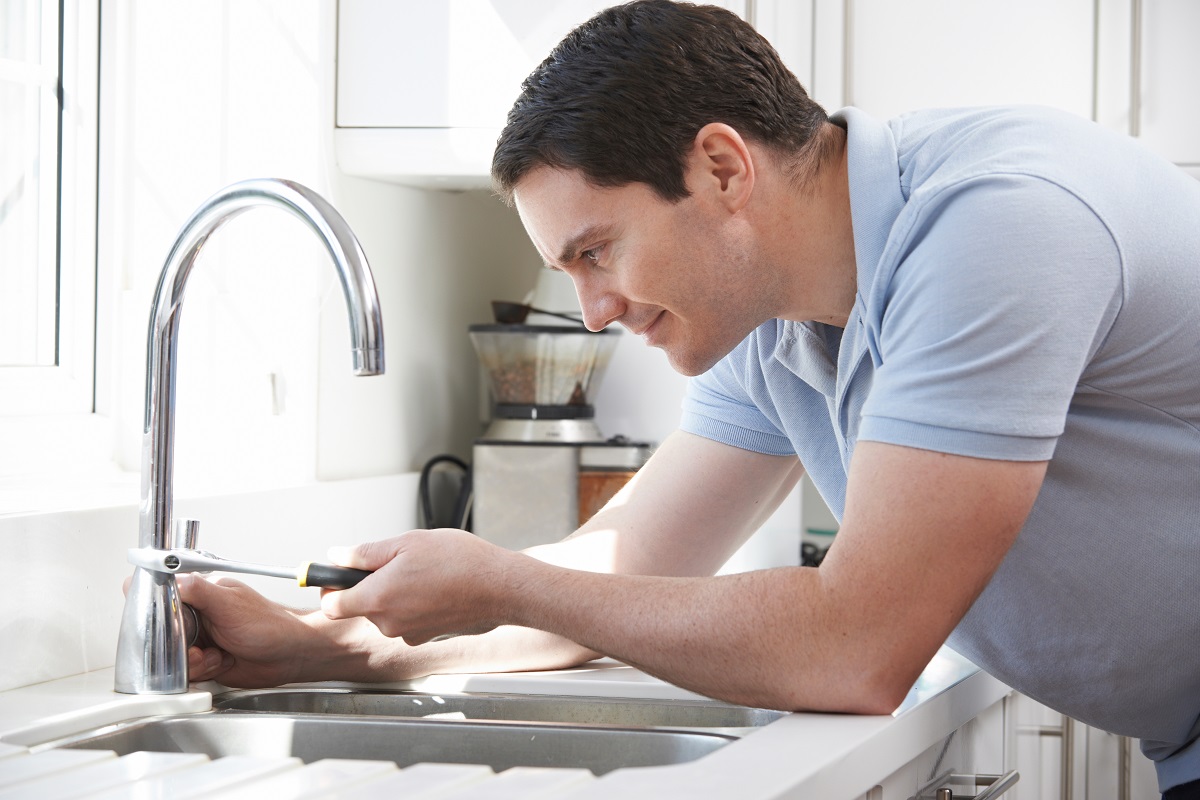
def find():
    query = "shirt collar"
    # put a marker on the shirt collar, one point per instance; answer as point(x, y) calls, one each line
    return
point(876, 199)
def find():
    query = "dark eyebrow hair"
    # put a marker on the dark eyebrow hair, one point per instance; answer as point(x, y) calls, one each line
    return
point(570, 250)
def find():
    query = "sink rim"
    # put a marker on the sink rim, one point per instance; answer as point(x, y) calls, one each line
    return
point(123, 738)
point(226, 701)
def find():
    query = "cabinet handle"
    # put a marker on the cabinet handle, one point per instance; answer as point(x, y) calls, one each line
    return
point(848, 53)
point(1065, 731)
point(996, 786)
point(1068, 757)
point(1135, 69)
point(1124, 777)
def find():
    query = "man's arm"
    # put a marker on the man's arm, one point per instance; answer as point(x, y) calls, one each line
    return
point(921, 536)
point(684, 513)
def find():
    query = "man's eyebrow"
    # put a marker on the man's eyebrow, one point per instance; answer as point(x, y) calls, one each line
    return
point(570, 250)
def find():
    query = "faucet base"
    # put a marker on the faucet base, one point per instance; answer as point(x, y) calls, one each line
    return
point(152, 646)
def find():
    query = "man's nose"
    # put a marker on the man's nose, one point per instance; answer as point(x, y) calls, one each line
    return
point(600, 306)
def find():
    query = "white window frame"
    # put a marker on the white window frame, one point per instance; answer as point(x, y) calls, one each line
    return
point(67, 386)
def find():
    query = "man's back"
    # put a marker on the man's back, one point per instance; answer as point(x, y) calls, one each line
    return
point(1029, 287)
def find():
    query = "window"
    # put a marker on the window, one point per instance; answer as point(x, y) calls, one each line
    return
point(48, 123)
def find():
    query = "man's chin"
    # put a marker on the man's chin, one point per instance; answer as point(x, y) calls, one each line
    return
point(688, 364)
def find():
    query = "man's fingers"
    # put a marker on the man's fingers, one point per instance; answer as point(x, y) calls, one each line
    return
point(368, 555)
point(193, 590)
point(201, 593)
point(207, 663)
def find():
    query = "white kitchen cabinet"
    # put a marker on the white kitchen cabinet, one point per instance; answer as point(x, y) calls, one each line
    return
point(1116, 768)
point(1063, 759)
point(975, 749)
point(789, 26)
point(1148, 75)
point(1038, 743)
point(887, 58)
point(1056, 758)
point(423, 89)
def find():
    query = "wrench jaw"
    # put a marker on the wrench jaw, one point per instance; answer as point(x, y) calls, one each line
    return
point(173, 562)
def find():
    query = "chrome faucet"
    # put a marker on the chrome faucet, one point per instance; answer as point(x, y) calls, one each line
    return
point(152, 648)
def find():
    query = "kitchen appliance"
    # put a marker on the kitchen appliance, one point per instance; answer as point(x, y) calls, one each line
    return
point(542, 466)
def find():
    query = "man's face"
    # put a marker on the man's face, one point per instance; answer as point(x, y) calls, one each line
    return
point(676, 274)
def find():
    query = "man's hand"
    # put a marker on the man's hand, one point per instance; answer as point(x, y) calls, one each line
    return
point(426, 583)
point(244, 638)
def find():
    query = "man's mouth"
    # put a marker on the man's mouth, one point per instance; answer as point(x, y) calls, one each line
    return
point(647, 333)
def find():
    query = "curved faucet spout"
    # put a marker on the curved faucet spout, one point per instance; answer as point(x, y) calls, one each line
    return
point(151, 652)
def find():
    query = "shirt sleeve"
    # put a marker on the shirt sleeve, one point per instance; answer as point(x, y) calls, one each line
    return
point(1005, 288)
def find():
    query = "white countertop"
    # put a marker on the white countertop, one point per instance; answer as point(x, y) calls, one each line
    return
point(812, 755)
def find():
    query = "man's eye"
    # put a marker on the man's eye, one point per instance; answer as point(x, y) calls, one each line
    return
point(592, 255)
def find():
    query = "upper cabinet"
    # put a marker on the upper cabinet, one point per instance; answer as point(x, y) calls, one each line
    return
point(898, 57)
point(423, 89)
point(1131, 65)
point(1148, 75)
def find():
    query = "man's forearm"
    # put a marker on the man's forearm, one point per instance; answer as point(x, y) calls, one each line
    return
point(359, 652)
point(746, 638)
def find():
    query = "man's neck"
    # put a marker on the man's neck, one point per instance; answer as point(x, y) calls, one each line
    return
point(809, 237)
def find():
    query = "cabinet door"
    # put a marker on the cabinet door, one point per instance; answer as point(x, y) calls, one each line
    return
point(1038, 743)
point(446, 64)
point(1148, 68)
point(977, 748)
point(1116, 768)
point(453, 63)
point(898, 57)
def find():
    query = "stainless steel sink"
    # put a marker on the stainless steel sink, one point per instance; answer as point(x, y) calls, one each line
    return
point(675, 714)
point(312, 737)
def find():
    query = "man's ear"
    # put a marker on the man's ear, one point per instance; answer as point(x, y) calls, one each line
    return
point(721, 163)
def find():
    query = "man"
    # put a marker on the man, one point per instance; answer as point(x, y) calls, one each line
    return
point(975, 329)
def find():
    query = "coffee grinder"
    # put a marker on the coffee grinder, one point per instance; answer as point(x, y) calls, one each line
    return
point(542, 466)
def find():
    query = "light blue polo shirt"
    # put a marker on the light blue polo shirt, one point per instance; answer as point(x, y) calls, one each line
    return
point(1028, 289)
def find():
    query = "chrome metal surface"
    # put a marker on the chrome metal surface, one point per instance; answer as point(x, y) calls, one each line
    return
point(1135, 68)
point(151, 650)
point(996, 784)
point(544, 431)
point(187, 533)
point(1124, 774)
point(993, 786)
point(678, 714)
point(404, 741)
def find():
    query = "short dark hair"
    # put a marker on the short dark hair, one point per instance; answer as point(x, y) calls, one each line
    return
point(623, 96)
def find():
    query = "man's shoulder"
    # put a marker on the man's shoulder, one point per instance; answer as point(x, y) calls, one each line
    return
point(987, 124)
point(938, 147)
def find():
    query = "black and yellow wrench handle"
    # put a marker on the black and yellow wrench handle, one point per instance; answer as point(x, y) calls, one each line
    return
point(328, 576)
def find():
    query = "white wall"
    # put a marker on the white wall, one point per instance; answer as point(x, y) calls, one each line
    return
point(203, 94)
point(61, 605)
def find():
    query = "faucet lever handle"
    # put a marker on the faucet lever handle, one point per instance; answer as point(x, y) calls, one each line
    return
point(185, 534)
